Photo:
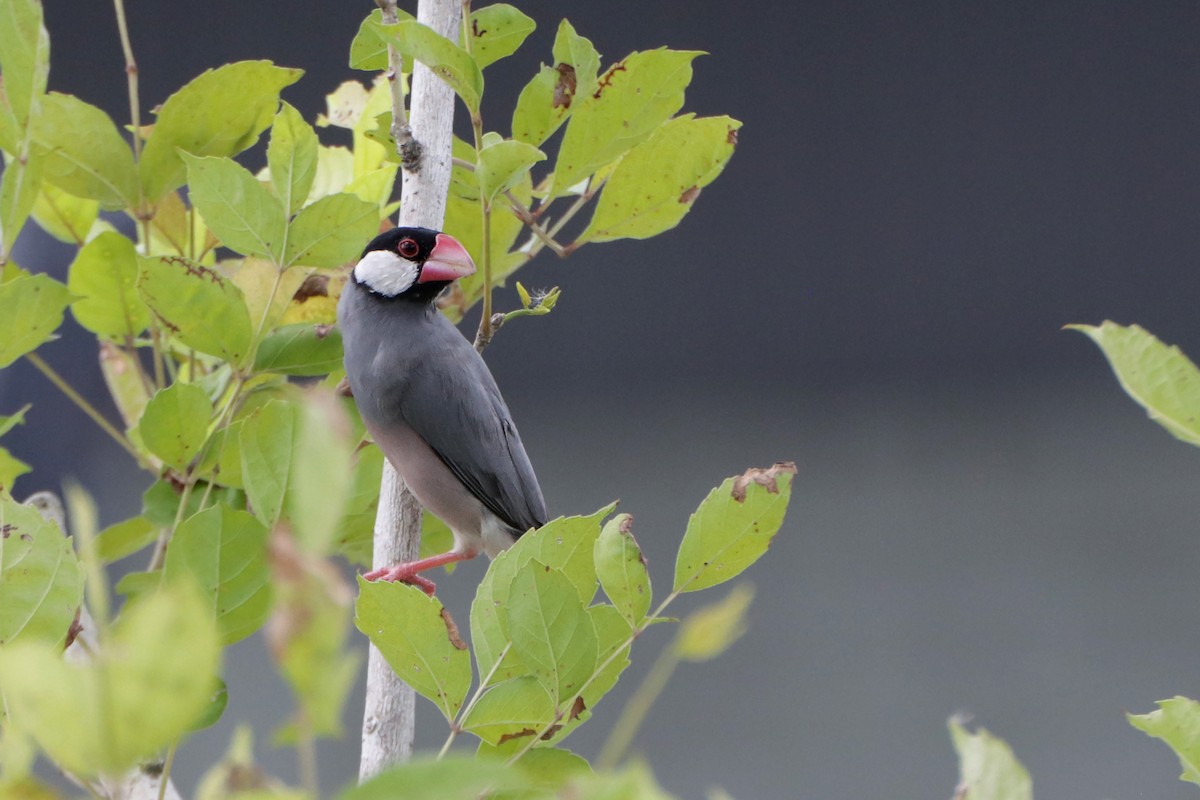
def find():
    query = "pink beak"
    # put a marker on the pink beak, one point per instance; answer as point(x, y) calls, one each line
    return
point(448, 261)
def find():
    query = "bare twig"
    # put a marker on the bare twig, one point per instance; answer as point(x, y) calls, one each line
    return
point(388, 722)
point(406, 145)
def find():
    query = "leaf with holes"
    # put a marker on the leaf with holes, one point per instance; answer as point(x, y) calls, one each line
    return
point(546, 101)
point(733, 527)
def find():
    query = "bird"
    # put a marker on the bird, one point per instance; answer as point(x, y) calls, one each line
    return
point(430, 402)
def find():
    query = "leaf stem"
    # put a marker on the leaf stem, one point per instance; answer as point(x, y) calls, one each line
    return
point(635, 710)
point(87, 408)
point(408, 147)
point(135, 116)
point(464, 712)
point(526, 216)
point(165, 777)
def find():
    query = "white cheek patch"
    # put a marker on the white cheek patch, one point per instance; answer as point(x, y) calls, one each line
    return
point(385, 273)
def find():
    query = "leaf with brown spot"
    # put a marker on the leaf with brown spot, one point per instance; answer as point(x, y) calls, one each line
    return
point(766, 478)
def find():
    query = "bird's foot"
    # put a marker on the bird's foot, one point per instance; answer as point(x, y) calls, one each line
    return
point(402, 573)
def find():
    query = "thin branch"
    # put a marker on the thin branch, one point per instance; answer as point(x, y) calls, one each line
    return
point(408, 147)
point(526, 216)
point(135, 115)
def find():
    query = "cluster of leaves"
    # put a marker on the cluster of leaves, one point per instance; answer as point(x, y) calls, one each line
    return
point(1165, 382)
point(211, 289)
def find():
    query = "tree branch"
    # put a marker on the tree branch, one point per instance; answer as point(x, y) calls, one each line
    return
point(388, 720)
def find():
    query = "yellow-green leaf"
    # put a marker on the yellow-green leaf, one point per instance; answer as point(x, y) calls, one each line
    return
point(83, 152)
point(502, 165)
point(621, 569)
point(266, 439)
point(514, 709)
point(443, 57)
point(987, 768)
point(24, 55)
point(710, 630)
point(552, 633)
point(236, 206)
point(33, 309)
point(198, 305)
point(104, 276)
point(332, 231)
point(1176, 722)
point(174, 423)
point(1159, 377)
point(292, 158)
point(497, 31)
point(41, 580)
point(733, 527)
point(655, 184)
point(63, 215)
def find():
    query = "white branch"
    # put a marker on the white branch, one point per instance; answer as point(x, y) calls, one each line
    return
point(140, 783)
point(388, 719)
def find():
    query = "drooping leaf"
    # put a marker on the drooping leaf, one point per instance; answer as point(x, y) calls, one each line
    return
point(63, 215)
point(497, 31)
point(292, 158)
point(41, 580)
point(1176, 722)
point(450, 778)
point(503, 164)
point(621, 569)
point(988, 770)
point(320, 474)
point(124, 538)
point(266, 439)
point(198, 305)
point(19, 185)
point(733, 527)
point(142, 692)
point(224, 551)
point(104, 276)
point(515, 709)
point(84, 153)
point(552, 634)
point(1160, 378)
point(411, 631)
point(200, 119)
point(123, 377)
point(709, 631)
point(34, 308)
point(303, 350)
point(655, 184)
point(174, 424)
point(632, 98)
point(443, 57)
point(238, 208)
point(331, 231)
point(24, 56)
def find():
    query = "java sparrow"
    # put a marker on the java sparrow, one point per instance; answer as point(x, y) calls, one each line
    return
point(429, 401)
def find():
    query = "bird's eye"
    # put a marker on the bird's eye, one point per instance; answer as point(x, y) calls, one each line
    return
point(408, 248)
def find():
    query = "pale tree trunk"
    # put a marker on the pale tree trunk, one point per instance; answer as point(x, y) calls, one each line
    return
point(388, 720)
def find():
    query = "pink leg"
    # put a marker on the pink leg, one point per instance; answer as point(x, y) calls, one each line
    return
point(407, 572)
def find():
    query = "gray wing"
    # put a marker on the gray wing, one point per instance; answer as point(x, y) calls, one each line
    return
point(452, 402)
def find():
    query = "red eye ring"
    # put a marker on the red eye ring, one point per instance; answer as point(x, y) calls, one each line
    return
point(408, 248)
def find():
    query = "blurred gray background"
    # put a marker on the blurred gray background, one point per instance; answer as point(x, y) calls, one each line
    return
point(923, 194)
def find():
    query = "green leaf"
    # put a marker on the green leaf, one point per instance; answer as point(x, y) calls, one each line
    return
point(502, 166)
point(655, 184)
point(216, 707)
point(332, 231)
point(634, 780)
point(123, 376)
point(545, 102)
point(83, 152)
point(621, 569)
point(63, 215)
point(11, 468)
point(24, 55)
point(292, 158)
point(710, 630)
point(550, 768)
point(497, 31)
point(13, 420)
point(443, 57)
point(412, 632)
point(225, 552)
point(125, 538)
point(1176, 722)
point(200, 119)
point(368, 51)
point(104, 276)
point(41, 580)
point(267, 439)
point(142, 692)
point(33, 310)
point(552, 634)
point(301, 350)
point(198, 305)
point(733, 527)
point(175, 423)
point(1158, 377)
point(579, 52)
point(514, 709)
point(988, 770)
point(236, 206)
point(632, 98)
point(612, 635)
point(319, 480)
point(19, 187)
point(451, 778)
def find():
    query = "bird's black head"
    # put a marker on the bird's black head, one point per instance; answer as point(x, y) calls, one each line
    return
point(411, 261)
